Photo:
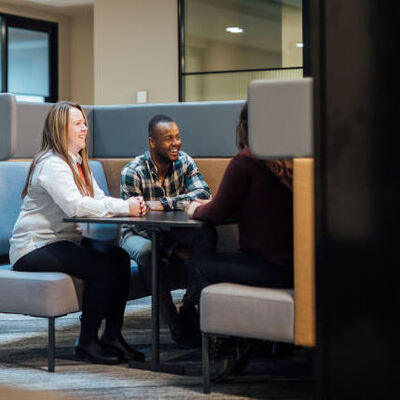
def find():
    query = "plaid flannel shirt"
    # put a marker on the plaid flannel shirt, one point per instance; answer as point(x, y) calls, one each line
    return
point(183, 182)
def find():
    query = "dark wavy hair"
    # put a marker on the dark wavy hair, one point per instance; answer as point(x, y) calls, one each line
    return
point(242, 137)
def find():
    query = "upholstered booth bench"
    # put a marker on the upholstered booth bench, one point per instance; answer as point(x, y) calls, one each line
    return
point(118, 133)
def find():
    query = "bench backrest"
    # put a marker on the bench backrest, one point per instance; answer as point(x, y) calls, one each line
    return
point(212, 169)
point(12, 179)
point(208, 128)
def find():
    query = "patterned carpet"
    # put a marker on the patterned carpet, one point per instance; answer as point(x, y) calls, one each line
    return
point(23, 365)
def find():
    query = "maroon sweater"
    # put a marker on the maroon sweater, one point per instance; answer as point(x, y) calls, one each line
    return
point(263, 206)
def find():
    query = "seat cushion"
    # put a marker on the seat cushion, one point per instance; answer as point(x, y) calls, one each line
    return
point(247, 311)
point(39, 294)
point(45, 294)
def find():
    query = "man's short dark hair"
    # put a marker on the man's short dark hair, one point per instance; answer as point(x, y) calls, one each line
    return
point(158, 119)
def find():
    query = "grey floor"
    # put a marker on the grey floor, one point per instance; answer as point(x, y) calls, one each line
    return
point(23, 365)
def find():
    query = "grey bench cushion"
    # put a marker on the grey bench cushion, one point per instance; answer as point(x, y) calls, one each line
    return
point(246, 311)
point(49, 294)
point(40, 294)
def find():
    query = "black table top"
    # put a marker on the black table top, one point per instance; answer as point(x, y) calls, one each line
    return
point(161, 219)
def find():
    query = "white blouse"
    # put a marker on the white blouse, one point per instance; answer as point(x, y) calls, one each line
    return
point(53, 195)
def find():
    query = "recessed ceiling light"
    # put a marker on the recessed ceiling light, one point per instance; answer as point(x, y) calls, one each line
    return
point(234, 29)
point(299, 45)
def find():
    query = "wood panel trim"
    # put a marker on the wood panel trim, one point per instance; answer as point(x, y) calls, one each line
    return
point(304, 251)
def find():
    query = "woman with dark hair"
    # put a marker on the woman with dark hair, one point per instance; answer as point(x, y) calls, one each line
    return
point(60, 184)
point(258, 195)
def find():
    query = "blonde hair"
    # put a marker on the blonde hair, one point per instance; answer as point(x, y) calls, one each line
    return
point(55, 137)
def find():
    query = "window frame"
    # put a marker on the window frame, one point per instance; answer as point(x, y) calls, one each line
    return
point(51, 28)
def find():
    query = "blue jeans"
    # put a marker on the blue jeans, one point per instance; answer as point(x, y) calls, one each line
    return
point(173, 272)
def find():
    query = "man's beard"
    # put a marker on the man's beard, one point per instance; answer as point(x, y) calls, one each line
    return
point(163, 157)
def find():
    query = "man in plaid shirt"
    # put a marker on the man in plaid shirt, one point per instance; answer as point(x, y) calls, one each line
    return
point(168, 179)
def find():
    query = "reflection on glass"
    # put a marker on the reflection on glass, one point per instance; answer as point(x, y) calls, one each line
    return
point(230, 86)
point(227, 35)
point(28, 62)
point(30, 98)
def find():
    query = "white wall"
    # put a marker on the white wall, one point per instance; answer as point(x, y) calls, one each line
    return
point(135, 48)
point(111, 50)
point(82, 54)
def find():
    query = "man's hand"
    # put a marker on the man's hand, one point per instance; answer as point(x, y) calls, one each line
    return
point(154, 205)
point(137, 206)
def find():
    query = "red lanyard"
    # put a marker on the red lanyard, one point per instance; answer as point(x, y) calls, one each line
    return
point(81, 173)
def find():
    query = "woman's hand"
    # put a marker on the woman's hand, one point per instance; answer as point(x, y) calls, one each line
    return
point(203, 201)
point(137, 206)
point(192, 207)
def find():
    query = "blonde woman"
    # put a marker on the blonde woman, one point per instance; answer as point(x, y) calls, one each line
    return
point(60, 184)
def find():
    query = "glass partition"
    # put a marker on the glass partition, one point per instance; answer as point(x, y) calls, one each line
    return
point(227, 43)
point(230, 85)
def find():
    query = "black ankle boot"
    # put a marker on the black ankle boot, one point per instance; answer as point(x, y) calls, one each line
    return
point(188, 315)
point(92, 351)
point(121, 348)
point(185, 335)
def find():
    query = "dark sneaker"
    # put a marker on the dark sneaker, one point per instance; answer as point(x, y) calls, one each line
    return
point(235, 353)
point(220, 368)
point(222, 347)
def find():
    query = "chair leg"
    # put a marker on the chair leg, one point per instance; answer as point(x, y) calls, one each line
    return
point(206, 362)
point(51, 346)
